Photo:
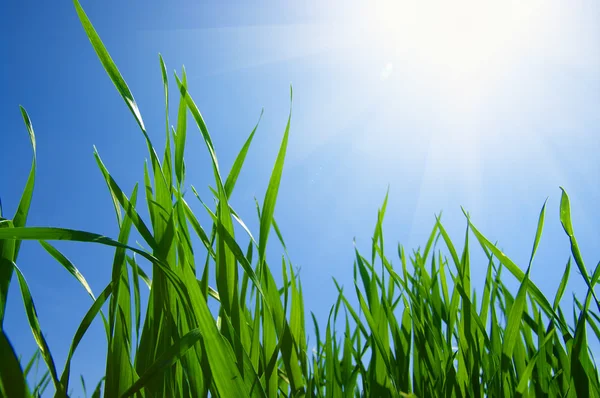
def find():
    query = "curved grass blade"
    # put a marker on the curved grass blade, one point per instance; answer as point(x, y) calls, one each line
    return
point(565, 220)
point(50, 233)
point(122, 199)
point(68, 265)
point(10, 250)
point(119, 82)
point(36, 329)
point(109, 65)
point(23, 210)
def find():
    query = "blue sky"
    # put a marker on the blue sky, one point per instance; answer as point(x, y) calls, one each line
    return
point(487, 105)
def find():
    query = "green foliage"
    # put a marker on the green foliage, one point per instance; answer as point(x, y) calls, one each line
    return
point(418, 329)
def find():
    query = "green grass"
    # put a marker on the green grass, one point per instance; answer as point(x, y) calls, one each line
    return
point(418, 329)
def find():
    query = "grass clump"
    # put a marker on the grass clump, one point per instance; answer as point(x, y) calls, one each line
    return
point(418, 330)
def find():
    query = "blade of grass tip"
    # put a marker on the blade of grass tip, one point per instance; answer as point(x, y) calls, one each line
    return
point(239, 160)
point(432, 238)
point(562, 286)
point(87, 320)
point(68, 265)
point(117, 79)
point(36, 329)
point(165, 79)
point(141, 273)
point(513, 324)
point(449, 244)
point(12, 378)
point(280, 237)
point(23, 209)
point(268, 207)
point(203, 130)
point(538, 233)
point(565, 220)
point(10, 249)
point(191, 217)
point(377, 234)
point(83, 386)
point(515, 270)
point(33, 360)
point(181, 134)
point(98, 390)
point(108, 64)
point(124, 201)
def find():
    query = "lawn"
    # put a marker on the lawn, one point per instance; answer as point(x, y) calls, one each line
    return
point(218, 323)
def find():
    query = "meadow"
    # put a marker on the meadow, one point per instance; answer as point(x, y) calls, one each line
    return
point(217, 322)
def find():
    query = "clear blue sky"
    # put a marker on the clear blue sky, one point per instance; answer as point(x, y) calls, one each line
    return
point(491, 107)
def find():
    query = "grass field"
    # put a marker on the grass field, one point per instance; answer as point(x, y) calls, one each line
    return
point(419, 329)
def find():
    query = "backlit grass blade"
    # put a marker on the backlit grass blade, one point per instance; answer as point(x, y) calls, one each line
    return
point(165, 79)
point(50, 233)
point(565, 220)
point(562, 286)
point(538, 233)
point(68, 265)
point(449, 243)
point(7, 254)
point(513, 324)
point(23, 210)
point(117, 79)
point(203, 129)
point(9, 250)
point(36, 329)
point(119, 369)
point(181, 134)
point(136, 298)
point(12, 377)
point(515, 270)
point(89, 317)
point(268, 207)
point(142, 275)
point(239, 160)
point(108, 64)
point(122, 199)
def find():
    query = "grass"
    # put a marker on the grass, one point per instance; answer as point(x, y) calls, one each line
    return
point(418, 330)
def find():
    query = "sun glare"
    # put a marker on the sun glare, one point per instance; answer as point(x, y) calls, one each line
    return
point(460, 45)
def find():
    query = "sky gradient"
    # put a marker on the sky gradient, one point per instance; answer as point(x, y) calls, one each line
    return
point(487, 105)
